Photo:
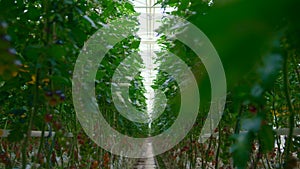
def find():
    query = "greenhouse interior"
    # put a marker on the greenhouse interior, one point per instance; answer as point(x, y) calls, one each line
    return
point(149, 84)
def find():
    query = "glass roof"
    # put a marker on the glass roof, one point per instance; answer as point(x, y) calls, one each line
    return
point(149, 19)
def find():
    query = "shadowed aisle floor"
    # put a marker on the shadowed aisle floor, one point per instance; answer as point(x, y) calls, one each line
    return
point(147, 163)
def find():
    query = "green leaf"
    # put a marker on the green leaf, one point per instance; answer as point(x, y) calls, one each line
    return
point(267, 138)
point(87, 18)
point(33, 13)
point(33, 51)
point(129, 6)
point(270, 70)
point(78, 34)
point(15, 135)
point(57, 51)
point(57, 80)
point(252, 124)
point(135, 44)
point(241, 149)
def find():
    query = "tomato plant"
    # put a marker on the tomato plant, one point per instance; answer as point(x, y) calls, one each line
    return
point(258, 44)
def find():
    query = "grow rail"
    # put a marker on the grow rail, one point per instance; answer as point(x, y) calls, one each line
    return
point(5, 133)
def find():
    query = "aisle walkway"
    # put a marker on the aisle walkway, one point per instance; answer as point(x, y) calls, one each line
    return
point(147, 163)
point(150, 15)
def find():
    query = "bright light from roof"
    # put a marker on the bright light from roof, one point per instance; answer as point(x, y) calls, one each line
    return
point(149, 19)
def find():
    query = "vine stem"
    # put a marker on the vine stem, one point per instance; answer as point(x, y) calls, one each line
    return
point(207, 151)
point(297, 71)
point(290, 107)
point(238, 121)
point(41, 145)
point(218, 149)
point(35, 92)
point(33, 112)
point(278, 141)
point(258, 155)
point(268, 163)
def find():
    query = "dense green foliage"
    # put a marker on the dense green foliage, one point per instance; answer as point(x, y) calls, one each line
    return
point(258, 43)
point(40, 44)
point(259, 46)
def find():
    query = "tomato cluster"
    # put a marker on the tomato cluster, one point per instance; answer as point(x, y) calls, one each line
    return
point(4, 158)
point(105, 160)
point(55, 97)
